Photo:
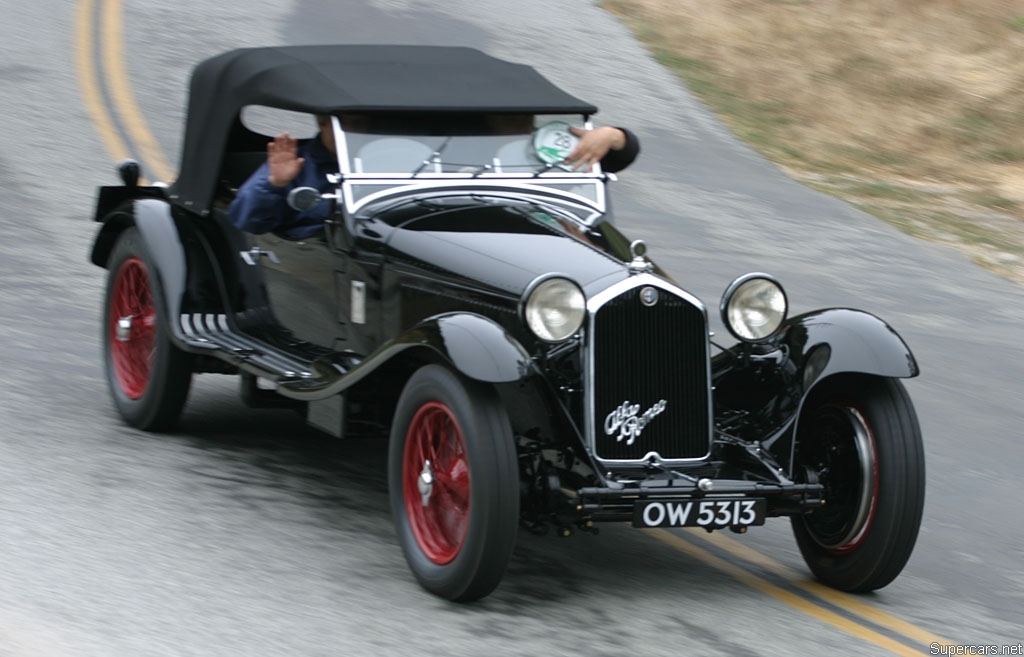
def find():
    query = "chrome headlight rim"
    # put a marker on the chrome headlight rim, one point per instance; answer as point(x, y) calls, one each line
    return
point(538, 286)
point(730, 295)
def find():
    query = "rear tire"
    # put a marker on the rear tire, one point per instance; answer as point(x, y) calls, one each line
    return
point(454, 483)
point(148, 376)
point(861, 433)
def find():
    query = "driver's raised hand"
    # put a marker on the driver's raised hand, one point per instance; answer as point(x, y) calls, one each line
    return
point(283, 160)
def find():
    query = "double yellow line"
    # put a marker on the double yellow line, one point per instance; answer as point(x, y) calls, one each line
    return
point(106, 91)
point(844, 602)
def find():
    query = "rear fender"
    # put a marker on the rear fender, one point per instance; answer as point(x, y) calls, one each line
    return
point(163, 240)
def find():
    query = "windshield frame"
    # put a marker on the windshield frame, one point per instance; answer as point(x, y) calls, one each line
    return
point(546, 180)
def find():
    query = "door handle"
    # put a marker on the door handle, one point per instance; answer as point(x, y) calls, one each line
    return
point(253, 255)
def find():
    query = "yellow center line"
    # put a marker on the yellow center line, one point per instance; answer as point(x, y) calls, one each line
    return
point(89, 85)
point(784, 596)
point(118, 85)
point(838, 598)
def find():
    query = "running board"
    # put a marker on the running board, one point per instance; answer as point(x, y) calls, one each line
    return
point(212, 332)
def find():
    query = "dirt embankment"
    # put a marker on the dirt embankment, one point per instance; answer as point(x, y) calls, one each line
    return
point(912, 110)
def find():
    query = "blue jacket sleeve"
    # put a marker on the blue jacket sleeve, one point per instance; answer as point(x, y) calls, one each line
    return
point(259, 207)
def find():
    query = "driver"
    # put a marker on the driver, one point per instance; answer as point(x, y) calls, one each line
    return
point(261, 203)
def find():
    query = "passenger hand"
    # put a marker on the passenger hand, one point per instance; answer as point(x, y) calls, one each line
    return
point(283, 160)
point(594, 145)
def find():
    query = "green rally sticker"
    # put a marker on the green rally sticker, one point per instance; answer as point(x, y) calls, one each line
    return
point(552, 142)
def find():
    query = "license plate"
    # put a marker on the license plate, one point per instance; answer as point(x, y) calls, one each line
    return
point(715, 512)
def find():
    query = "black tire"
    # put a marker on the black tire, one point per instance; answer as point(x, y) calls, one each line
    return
point(455, 553)
point(148, 376)
point(864, 432)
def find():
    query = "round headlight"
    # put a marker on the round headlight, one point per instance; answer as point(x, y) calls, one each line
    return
point(754, 307)
point(555, 309)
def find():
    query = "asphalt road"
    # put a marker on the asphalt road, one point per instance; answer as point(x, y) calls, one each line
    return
point(245, 533)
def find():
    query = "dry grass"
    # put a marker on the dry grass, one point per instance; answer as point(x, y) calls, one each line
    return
point(911, 109)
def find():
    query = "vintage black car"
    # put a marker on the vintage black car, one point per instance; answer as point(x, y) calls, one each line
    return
point(470, 292)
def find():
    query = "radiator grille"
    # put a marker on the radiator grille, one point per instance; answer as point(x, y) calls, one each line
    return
point(650, 371)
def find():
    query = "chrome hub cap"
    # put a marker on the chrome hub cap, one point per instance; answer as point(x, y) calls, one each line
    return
point(425, 483)
point(123, 331)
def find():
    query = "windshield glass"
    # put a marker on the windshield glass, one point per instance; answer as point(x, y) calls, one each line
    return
point(477, 145)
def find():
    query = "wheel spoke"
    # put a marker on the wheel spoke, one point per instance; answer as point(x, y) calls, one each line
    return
point(457, 483)
point(418, 438)
point(454, 520)
point(437, 433)
point(440, 517)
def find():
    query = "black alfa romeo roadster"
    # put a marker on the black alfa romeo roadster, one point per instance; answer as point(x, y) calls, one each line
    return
point(470, 291)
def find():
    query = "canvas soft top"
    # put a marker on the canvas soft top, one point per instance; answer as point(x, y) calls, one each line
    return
point(332, 79)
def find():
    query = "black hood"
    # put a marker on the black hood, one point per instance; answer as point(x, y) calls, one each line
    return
point(504, 245)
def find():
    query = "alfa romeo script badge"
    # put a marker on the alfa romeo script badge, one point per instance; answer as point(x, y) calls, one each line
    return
point(628, 422)
point(649, 296)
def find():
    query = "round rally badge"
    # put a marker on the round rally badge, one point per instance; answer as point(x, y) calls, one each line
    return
point(552, 143)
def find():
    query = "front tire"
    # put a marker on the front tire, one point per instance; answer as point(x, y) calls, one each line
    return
point(147, 375)
point(454, 483)
point(860, 433)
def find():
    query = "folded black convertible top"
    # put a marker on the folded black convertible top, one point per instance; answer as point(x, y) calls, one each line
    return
point(350, 78)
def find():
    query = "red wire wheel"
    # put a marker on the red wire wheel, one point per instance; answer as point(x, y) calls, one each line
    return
point(436, 482)
point(132, 328)
point(148, 376)
point(453, 482)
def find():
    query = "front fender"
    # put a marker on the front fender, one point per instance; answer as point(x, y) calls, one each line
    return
point(766, 389)
point(476, 346)
point(837, 341)
point(827, 342)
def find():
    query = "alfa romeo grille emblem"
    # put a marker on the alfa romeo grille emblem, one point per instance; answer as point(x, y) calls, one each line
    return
point(649, 296)
point(628, 422)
